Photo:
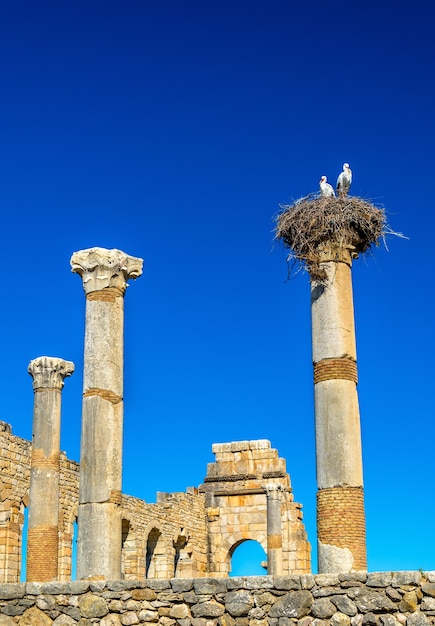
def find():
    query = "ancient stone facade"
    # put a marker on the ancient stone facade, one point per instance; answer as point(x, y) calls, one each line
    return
point(183, 535)
point(349, 599)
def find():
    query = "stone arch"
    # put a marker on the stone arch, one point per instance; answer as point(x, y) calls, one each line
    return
point(67, 519)
point(230, 542)
point(130, 551)
point(158, 552)
point(11, 535)
point(258, 561)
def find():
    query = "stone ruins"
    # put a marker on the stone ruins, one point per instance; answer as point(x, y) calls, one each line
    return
point(246, 492)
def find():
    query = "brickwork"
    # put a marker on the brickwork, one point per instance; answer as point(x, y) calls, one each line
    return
point(42, 545)
point(341, 521)
point(330, 369)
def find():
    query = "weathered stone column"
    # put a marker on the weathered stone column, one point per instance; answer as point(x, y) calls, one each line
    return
point(105, 274)
point(274, 529)
point(340, 498)
point(43, 525)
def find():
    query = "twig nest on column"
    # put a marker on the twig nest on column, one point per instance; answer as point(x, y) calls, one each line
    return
point(310, 224)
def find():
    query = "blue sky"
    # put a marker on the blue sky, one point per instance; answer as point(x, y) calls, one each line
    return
point(173, 131)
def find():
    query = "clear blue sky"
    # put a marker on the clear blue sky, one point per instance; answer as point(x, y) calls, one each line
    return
point(172, 130)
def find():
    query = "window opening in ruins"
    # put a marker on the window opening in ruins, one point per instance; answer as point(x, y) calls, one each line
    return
point(248, 558)
point(75, 535)
point(129, 555)
point(154, 554)
point(23, 542)
point(182, 555)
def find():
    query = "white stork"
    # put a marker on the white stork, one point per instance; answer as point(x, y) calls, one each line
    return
point(326, 190)
point(344, 181)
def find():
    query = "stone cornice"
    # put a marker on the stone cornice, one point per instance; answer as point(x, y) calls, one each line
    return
point(49, 372)
point(101, 268)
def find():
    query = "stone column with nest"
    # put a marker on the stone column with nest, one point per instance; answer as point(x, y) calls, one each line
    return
point(325, 235)
point(104, 274)
point(48, 374)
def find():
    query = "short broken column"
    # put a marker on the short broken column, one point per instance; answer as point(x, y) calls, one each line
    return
point(43, 524)
point(104, 274)
point(274, 529)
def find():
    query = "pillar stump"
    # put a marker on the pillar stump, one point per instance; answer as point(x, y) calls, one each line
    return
point(104, 274)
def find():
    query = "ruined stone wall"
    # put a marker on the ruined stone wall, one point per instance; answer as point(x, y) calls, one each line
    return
point(14, 497)
point(183, 535)
point(354, 599)
point(236, 488)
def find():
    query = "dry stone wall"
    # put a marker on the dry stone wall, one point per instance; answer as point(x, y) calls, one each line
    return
point(354, 599)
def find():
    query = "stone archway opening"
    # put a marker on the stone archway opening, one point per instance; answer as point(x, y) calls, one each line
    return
point(248, 558)
point(154, 553)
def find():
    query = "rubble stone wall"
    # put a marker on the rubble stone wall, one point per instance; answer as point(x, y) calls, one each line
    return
point(354, 599)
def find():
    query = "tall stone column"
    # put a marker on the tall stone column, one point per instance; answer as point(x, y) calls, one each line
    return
point(43, 524)
point(104, 274)
point(340, 497)
point(274, 529)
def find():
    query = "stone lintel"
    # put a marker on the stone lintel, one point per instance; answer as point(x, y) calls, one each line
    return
point(102, 269)
point(49, 372)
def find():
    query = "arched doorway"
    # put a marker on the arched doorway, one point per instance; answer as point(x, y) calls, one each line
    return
point(248, 558)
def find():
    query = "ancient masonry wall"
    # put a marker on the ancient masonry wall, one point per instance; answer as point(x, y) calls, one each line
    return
point(350, 599)
point(183, 535)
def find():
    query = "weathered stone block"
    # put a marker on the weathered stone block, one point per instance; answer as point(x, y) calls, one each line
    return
point(294, 604)
point(323, 608)
point(239, 603)
point(93, 606)
point(35, 617)
point(210, 608)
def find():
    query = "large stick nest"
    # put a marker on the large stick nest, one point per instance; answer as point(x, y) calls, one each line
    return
point(306, 226)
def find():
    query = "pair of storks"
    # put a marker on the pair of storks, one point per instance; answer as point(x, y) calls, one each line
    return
point(343, 184)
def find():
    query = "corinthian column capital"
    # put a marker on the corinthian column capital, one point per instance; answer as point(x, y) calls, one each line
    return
point(273, 491)
point(49, 372)
point(101, 268)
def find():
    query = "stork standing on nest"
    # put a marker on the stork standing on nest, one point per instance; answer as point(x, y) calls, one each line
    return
point(326, 190)
point(344, 181)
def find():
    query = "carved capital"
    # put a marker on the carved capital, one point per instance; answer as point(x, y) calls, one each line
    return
point(274, 491)
point(101, 268)
point(49, 372)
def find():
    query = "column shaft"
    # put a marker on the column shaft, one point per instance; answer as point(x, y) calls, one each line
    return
point(104, 274)
point(274, 530)
point(43, 523)
point(340, 500)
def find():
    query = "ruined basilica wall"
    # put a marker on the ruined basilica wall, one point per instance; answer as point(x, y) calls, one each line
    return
point(14, 496)
point(183, 535)
point(170, 536)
